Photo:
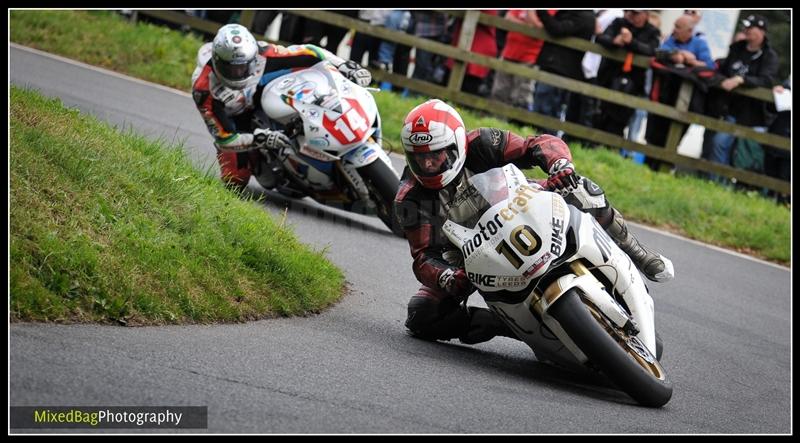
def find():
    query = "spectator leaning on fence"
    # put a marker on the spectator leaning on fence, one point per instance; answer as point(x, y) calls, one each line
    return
point(778, 162)
point(431, 25)
point(367, 43)
point(750, 63)
point(639, 115)
point(696, 16)
point(687, 48)
point(590, 106)
point(683, 56)
point(591, 61)
point(519, 48)
point(397, 20)
point(634, 33)
point(484, 42)
point(557, 59)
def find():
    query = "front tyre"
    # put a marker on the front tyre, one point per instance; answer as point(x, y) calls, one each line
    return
point(625, 360)
point(382, 184)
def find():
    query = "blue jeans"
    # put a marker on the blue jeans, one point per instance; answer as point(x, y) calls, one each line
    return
point(635, 125)
point(423, 66)
point(398, 20)
point(722, 146)
point(547, 100)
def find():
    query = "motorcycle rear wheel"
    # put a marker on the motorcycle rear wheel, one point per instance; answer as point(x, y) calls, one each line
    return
point(622, 358)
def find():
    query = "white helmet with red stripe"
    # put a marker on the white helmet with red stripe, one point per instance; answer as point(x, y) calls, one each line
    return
point(435, 143)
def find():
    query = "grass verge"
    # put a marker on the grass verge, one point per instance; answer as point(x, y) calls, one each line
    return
point(110, 227)
point(684, 205)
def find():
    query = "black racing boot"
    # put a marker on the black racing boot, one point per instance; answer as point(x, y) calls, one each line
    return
point(653, 265)
point(483, 326)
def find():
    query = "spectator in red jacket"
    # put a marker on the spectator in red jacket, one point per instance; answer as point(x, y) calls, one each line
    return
point(520, 48)
point(484, 42)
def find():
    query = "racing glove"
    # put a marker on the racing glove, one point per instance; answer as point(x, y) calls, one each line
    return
point(272, 140)
point(456, 283)
point(356, 73)
point(563, 178)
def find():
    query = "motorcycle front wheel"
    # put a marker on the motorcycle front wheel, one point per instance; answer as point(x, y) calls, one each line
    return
point(624, 359)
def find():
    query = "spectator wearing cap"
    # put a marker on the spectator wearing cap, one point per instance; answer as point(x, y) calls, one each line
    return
point(687, 49)
point(750, 63)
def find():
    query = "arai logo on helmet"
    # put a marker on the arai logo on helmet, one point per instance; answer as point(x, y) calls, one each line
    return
point(420, 138)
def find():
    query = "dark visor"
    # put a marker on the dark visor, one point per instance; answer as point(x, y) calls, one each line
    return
point(433, 163)
point(238, 71)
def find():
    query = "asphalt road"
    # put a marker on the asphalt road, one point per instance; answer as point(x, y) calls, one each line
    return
point(725, 321)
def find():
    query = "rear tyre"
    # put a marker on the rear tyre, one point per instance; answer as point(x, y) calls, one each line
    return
point(625, 360)
point(382, 184)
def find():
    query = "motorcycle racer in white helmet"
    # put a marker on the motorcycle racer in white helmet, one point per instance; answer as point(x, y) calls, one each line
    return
point(226, 85)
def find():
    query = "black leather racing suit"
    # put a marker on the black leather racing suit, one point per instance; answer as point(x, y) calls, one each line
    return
point(433, 313)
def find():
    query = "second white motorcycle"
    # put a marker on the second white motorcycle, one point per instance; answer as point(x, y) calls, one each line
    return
point(337, 158)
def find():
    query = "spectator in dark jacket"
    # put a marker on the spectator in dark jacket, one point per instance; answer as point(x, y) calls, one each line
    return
point(548, 99)
point(635, 34)
point(777, 161)
point(750, 63)
point(433, 26)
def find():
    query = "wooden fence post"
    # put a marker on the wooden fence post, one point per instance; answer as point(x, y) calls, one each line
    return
point(468, 27)
point(676, 128)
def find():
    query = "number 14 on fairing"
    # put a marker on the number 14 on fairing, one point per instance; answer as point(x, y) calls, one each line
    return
point(356, 122)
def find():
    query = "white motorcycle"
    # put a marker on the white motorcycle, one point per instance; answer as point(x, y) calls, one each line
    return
point(554, 276)
point(337, 158)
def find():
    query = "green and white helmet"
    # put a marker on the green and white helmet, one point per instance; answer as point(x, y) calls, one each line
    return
point(234, 56)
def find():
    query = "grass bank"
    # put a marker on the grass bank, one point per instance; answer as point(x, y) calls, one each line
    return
point(110, 227)
point(688, 206)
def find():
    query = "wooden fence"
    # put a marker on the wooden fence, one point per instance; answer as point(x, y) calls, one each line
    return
point(461, 55)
